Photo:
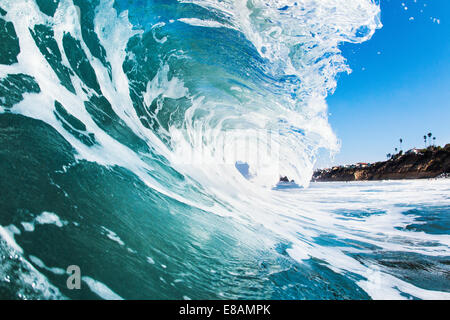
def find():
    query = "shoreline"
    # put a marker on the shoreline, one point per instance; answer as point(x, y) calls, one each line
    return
point(430, 163)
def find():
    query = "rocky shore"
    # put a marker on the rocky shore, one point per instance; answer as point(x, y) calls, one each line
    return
point(431, 162)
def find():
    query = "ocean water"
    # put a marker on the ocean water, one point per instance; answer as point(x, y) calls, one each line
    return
point(142, 141)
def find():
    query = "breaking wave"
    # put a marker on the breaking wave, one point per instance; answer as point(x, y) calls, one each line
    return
point(125, 124)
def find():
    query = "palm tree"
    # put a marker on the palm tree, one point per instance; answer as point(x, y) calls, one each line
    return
point(429, 137)
point(425, 140)
point(401, 141)
point(434, 141)
point(396, 150)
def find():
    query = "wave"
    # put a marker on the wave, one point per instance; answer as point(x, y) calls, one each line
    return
point(178, 94)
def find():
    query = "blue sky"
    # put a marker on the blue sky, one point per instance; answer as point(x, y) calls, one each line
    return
point(400, 84)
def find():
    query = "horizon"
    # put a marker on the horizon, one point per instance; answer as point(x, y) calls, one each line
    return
point(398, 87)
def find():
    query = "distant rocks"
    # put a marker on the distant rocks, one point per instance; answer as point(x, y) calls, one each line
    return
point(432, 162)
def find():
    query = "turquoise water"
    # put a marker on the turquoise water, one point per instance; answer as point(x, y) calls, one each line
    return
point(122, 129)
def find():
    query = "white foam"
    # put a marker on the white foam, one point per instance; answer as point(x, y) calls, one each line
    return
point(28, 276)
point(204, 23)
point(41, 264)
point(297, 42)
point(7, 234)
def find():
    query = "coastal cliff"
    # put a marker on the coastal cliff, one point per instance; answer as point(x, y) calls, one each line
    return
point(414, 164)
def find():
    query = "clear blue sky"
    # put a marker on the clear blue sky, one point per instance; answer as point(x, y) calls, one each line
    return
point(400, 84)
